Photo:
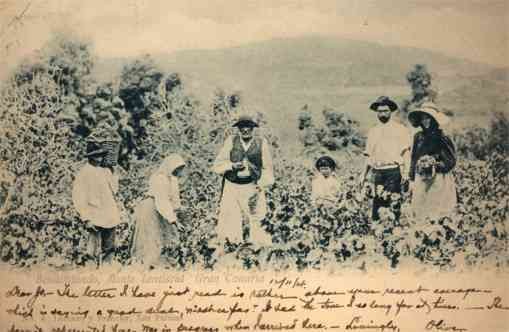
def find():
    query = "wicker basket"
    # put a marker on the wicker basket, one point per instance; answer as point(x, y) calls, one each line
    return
point(111, 147)
point(113, 152)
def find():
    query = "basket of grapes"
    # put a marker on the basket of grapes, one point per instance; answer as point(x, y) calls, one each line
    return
point(426, 167)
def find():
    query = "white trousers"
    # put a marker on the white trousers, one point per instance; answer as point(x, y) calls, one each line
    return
point(235, 210)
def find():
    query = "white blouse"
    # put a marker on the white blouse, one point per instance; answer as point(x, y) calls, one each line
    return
point(325, 189)
point(165, 191)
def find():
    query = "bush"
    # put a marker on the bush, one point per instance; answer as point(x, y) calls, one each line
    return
point(38, 149)
point(46, 116)
point(47, 120)
point(340, 134)
point(420, 81)
point(481, 143)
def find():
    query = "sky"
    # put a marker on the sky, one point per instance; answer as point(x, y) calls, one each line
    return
point(475, 30)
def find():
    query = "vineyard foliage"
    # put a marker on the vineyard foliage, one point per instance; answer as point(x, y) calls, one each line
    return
point(50, 107)
point(340, 134)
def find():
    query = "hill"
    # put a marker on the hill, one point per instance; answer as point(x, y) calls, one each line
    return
point(279, 76)
point(475, 99)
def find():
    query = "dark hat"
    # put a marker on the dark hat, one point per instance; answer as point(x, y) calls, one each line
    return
point(325, 161)
point(245, 121)
point(384, 101)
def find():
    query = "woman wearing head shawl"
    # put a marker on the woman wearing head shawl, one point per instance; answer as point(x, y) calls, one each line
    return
point(432, 161)
point(156, 215)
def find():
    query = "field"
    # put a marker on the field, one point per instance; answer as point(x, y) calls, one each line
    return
point(49, 107)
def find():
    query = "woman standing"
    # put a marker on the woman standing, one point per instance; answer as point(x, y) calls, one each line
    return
point(432, 161)
point(156, 216)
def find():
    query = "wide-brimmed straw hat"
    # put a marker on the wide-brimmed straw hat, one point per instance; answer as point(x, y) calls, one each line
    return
point(245, 121)
point(383, 101)
point(431, 109)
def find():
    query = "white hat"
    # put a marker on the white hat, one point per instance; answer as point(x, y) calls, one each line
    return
point(432, 110)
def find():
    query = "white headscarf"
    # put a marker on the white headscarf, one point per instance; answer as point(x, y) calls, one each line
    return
point(164, 187)
point(170, 164)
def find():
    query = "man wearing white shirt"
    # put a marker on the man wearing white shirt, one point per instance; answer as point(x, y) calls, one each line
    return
point(387, 151)
point(246, 166)
point(93, 195)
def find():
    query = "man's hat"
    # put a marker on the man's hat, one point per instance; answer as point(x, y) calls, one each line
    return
point(245, 121)
point(325, 161)
point(384, 101)
point(432, 110)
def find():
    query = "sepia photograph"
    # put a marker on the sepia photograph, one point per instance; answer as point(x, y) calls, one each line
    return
point(298, 152)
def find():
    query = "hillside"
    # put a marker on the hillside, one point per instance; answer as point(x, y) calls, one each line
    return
point(279, 76)
point(476, 98)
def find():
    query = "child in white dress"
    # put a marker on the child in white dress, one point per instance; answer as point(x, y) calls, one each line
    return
point(325, 185)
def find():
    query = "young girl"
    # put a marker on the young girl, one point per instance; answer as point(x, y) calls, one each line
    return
point(156, 215)
point(325, 185)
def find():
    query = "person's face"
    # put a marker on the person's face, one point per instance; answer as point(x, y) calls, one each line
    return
point(178, 172)
point(426, 121)
point(384, 114)
point(326, 171)
point(246, 133)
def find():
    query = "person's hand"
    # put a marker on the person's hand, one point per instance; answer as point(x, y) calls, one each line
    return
point(88, 225)
point(238, 166)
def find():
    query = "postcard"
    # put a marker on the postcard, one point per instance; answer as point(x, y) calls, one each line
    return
point(251, 165)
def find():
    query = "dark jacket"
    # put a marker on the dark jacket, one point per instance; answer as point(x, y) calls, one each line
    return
point(435, 144)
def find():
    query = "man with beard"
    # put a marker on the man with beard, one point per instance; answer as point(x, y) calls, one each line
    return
point(246, 166)
point(387, 151)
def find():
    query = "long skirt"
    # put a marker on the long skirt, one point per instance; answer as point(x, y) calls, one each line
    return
point(434, 198)
point(242, 203)
point(152, 233)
